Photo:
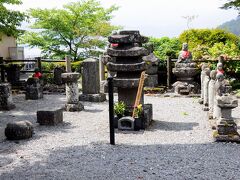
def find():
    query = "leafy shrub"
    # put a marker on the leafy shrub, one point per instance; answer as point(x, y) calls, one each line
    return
point(165, 46)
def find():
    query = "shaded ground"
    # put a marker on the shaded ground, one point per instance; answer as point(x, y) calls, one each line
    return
point(178, 145)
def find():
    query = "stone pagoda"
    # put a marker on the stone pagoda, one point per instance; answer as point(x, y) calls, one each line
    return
point(126, 60)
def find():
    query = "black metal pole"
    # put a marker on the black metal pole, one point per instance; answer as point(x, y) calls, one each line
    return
point(2, 70)
point(111, 110)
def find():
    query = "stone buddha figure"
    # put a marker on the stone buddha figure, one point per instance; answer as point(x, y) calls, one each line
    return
point(185, 56)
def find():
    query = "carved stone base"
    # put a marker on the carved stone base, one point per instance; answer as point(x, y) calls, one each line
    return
point(186, 88)
point(129, 123)
point(200, 101)
point(93, 97)
point(74, 107)
point(205, 108)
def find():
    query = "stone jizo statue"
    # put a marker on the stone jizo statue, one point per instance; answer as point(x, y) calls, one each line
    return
point(185, 56)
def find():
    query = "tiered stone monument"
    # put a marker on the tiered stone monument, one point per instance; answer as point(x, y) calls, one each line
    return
point(152, 63)
point(72, 93)
point(185, 70)
point(226, 127)
point(91, 82)
point(6, 103)
point(34, 89)
point(127, 54)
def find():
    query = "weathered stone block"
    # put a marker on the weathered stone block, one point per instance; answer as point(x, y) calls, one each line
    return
point(126, 123)
point(93, 97)
point(74, 107)
point(34, 89)
point(151, 81)
point(50, 117)
point(19, 130)
point(6, 103)
point(129, 52)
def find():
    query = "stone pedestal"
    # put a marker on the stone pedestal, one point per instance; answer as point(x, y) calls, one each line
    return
point(127, 61)
point(185, 73)
point(226, 127)
point(34, 89)
point(50, 117)
point(6, 103)
point(91, 82)
point(72, 93)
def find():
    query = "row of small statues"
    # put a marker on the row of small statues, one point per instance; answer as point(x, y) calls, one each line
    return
point(217, 100)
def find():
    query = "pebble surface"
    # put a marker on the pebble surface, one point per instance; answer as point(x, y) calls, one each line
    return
point(178, 145)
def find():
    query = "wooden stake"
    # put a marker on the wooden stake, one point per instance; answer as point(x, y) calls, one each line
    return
point(139, 92)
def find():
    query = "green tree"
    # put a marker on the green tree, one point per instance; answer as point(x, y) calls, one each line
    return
point(201, 40)
point(78, 30)
point(10, 20)
point(232, 4)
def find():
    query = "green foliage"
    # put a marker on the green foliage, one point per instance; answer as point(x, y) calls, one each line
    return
point(138, 111)
point(120, 108)
point(10, 20)
point(165, 46)
point(229, 48)
point(232, 4)
point(79, 29)
point(210, 43)
point(76, 66)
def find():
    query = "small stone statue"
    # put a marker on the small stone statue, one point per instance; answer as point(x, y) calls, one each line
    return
point(220, 68)
point(203, 74)
point(205, 92)
point(211, 91)
point(185, 56)
point(219, 91)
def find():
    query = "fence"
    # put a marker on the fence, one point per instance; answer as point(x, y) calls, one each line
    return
point(38, 61)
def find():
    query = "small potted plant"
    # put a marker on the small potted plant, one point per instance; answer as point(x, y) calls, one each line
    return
point(138, 116)
point(119, 111)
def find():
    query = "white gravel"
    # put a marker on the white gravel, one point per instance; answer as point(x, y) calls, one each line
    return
point(178, 145)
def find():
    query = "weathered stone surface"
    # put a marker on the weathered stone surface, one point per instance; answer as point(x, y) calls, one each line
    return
point(151, 81)
point(57, 75)
point(126, 123)
point(50, 117)
point(211, 93)
point(127, 38)
point(185, 88)
point(74, 107)
point(91, 77)
point(93, 97)
point(72, 93)
point(125, 82)
point(205, 87)
point(70, 77)
point(126, 67)
point(6, 103)
point(185, 73)
point(128, 51)
point(34, 89)
point(19, 130)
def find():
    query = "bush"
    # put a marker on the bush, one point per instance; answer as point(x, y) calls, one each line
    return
point(165, 46)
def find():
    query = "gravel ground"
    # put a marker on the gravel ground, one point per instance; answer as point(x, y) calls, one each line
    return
point(178, 145)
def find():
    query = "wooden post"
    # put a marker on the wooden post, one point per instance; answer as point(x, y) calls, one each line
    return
point(169, 71)
point(2, 69)
point(39, 64)
point(101, 69)
point(68, 64)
